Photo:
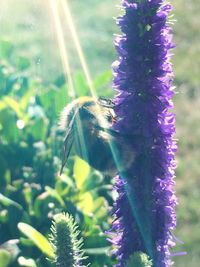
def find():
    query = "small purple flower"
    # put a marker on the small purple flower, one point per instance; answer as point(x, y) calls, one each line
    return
point(145, 208)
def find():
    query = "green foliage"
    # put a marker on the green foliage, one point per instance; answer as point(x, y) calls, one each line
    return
point(5, 257)
point(32, 191)
point(38, 239)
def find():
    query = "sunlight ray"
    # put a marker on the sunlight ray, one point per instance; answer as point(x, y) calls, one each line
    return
point(67, 68)
point(69, 19)
point(70, 23)
point(86, 71)
point(89, 82)
point(62, 48)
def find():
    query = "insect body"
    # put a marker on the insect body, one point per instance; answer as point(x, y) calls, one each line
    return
point(87, 125)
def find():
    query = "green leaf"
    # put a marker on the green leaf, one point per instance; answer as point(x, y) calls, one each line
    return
point(26, 242)
point(39, 240)
point(94, 181)
point(81, 172)
point(24, 101)
point(61, 99)
point(3, 216)
point(67, 180)
point(94, 239)
point(38, 128)
point(54, 100)
point(53, 193)
point(5, 201)
point(99, 207)
point(86, 203)
point(81, 87)
point(9, 127)
point(103, 80)
point(13, 104)
point(5, 258)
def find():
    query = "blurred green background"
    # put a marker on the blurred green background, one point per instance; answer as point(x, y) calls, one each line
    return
point(32, 94)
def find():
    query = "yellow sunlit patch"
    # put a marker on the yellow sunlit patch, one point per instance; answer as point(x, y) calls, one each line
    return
point(81, 172)
point(86, 204)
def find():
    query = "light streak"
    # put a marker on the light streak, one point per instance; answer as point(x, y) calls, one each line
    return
point(66, 67)
point(76, 40)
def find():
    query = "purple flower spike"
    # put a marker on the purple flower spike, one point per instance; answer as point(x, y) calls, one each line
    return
point(145, 208)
